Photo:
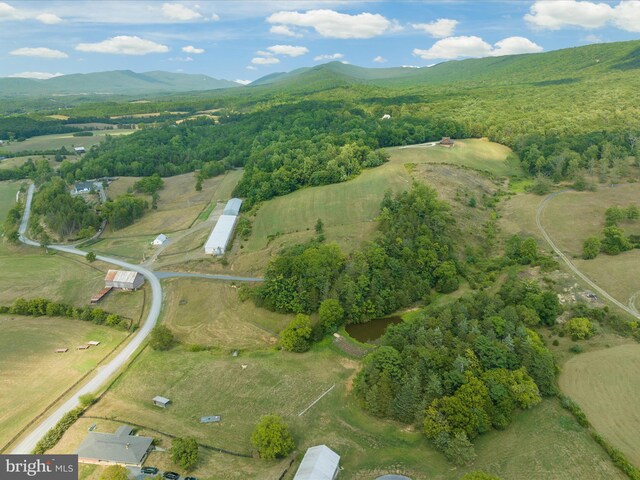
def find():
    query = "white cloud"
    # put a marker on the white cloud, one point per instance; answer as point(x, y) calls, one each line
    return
point(192, 49)
point(181, 59)
point(8, 12)
point(627, 16)
point(554, 15)
point(215, 17)
point(242, 82)
point(289, 50)
point(264, 60)
point(591, 38)
point(380, 59)
point(461, 47)
point(41, 52)
point(411, 66)
point(329, 23)
point(328, 56)
point(515, 46)
point(36, 75)
point(48, 18)
point(441, 28)
point(177, 11)
point(284, 30)
point(125, 45)
point(250, 67)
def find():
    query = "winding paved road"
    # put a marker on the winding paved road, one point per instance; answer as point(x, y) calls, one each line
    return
point(571, 266)
point(103, 374)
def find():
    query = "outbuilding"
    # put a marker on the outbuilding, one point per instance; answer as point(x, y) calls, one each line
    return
point(159, 240)
point(82, 187)
point(121, 448)
point(319, 463)
point(233, 207)
point(79, 149)
point(159, 401)
point(123, 279)
point(446, 142)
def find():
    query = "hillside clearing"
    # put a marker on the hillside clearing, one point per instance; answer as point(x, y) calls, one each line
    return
point(57, 141)
point(605, 384)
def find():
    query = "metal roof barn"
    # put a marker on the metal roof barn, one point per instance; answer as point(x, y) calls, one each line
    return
point(159, 401)
point(232, 207)
point(160, 239)
point(120, 448)
point(220, 235)
point(125, 279)
point(319, 463)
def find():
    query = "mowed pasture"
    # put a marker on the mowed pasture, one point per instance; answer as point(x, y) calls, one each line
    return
point(543, 443)
point(57, 141)
point(605, 384)
point(209, 313)
point(32, 375)
point(479, 154)
point(8, 191)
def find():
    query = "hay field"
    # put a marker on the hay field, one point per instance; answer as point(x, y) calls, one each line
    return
point(479, 154)
point(32, 375)
point(208, 312)
point(54, 142)
point(571, 217)
point(8, 190)
point(606, 385)
point(543, 443)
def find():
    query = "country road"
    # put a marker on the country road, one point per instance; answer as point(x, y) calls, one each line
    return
point(568, 262)
point(105, 372)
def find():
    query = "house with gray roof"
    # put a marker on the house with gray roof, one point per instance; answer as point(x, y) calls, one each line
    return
point(319, 463)
point(120, 448)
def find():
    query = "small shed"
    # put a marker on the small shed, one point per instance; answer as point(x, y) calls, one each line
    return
point(319, 463)
point(123, 279)
point(83, 347)
point(62, 350)
point(161, 401)
point(386, 116)
point(446, 142)
point(79, 149)
point(210, 419)
point(159, 240)
point(93, 343)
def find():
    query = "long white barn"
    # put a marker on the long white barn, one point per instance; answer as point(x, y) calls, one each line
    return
point(221, 234)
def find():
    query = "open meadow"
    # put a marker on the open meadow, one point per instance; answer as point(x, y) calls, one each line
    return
point(209, 313)
point(605, 384)
point(544, 442)
point(8, 190)
point(57, 141)
point(32, 375)
point(180, 206)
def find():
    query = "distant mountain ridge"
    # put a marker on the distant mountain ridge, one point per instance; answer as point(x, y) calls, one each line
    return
point(557, 66)
point(118, 82)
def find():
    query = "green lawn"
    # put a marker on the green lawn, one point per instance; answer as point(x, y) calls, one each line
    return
point(32, 375)
point(478, 154)
point(8, 192)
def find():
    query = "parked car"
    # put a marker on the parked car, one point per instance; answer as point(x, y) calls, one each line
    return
point(190, 478)
point(149, 470)
point(171, 475)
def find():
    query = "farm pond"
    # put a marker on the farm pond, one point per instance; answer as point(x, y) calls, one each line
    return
point(371, 331)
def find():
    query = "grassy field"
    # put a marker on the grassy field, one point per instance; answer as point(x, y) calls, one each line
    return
point(54, 142)
point(8, 192)
point(179, 207)
point(544, 443)
point(605, 384)
point(32, 375)
point(207, 312)
point(479, 154)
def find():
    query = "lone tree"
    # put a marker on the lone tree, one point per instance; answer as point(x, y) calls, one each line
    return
point(115, 472)
point(184, 452)
point(296, 337)
point(161, 338)
point(331, 315)
point(272, 438)
point(91, 257)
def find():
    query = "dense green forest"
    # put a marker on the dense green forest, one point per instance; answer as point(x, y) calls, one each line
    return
point(462, 369)
point(411, 255)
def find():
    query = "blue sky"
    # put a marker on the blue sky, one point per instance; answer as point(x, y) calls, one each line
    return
point(244, 40)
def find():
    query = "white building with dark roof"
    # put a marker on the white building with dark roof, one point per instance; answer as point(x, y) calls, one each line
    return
point(120, 448)
point(159, 240)
point(319, 463)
